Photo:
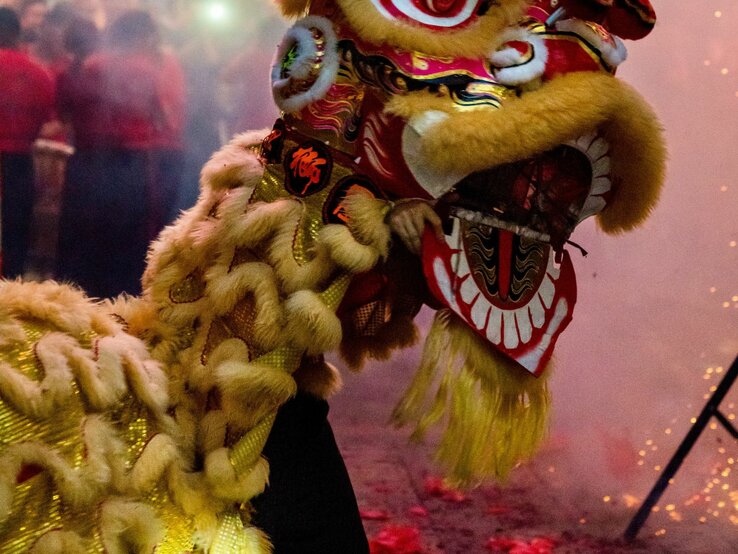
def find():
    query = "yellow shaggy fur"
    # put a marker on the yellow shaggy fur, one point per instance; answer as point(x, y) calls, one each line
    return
point(563, 109)
point(476, 40)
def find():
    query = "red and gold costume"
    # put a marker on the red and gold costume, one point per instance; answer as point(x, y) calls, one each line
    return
point(510, 122)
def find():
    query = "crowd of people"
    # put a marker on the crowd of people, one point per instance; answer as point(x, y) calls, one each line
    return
point(133, 105)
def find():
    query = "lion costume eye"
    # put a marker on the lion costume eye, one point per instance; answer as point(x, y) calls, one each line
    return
point(305, 65)
point(436, 14)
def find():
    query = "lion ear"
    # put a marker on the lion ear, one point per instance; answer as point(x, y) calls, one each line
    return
point(293, 8)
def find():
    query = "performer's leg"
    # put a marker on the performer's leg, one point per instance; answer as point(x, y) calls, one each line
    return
point(309, 506)
point(17, 209)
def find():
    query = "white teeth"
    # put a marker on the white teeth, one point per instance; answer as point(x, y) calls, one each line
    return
point(593, 205)
point(511, 333)
point(469, 290)
point(600, 185)
point(598, 149)
point(546, 291)
point(601, 167)
point(524, 327)
point(494, 326)
point(480, 311)
point(553, 269)
point(584, 141)
point(463, 269)
point(538, 314)
point(444, 284)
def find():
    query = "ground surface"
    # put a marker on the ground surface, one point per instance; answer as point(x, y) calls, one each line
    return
point(406, 509)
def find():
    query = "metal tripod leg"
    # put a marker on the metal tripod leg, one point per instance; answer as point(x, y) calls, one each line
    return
point(712, 408)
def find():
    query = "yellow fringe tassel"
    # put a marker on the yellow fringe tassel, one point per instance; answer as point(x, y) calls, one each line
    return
point(494, 413)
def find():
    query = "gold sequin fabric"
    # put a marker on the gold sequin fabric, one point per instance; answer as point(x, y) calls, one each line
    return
point(72, 430)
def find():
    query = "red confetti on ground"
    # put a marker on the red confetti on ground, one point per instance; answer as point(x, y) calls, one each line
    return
point(435, 486)
point(539, 545)
point(396, 539)
point(497, 510)
point(374, 515)
point(419, 511)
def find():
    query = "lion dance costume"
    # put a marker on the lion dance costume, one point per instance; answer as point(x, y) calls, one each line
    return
point(138, 425)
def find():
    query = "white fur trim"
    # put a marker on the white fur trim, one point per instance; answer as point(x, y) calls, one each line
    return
point(158, 454)
point(613, 54)
point(311, 324)
point(128, 526)
point(301, 33)
point(59, 542)
point(226, 484)
point(514, 69)
point(345, 251)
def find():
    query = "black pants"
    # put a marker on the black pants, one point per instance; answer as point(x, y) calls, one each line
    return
point(17, 180)
point(309, 506)
point(102, 229)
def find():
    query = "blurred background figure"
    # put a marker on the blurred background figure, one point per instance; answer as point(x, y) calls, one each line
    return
point(125, 105)
point(80, 37)
point(92, 10)
point(113, 9)
point(48, 49)
point(31, 14)
point(27, 105)
point(142, 119)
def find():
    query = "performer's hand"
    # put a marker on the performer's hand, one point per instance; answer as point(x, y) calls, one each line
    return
point(408, 219)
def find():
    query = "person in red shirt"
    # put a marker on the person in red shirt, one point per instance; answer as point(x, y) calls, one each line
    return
point(27, 93)
point(168, 144)
point(124, 105)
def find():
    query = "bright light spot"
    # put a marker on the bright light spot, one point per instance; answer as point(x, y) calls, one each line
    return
point(217, 11)
point(725, 188)
point(667, 431)
point(726, 304)
point(630, 500)
point(724, 71)
point(718, 13)
point(703, 519)
point(583, 520)
point(606, 499)
point(732, 243)
point(693, 420)
point(670, 507)
point(660, 532)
